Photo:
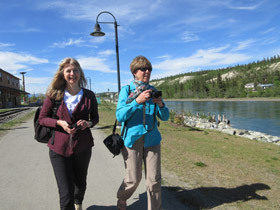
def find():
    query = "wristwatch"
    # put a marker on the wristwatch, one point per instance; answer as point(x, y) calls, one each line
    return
point(89, 124)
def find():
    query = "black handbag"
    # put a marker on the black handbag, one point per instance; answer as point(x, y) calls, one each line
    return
point(114, 142)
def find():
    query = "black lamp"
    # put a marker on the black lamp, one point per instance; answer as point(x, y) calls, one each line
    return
point(98, 32)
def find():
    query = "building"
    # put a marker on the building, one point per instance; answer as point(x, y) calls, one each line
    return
point(265, 86)
point(250, 86)
point(9, 90)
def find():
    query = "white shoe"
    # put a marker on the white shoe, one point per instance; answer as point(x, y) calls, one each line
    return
point(78, 207)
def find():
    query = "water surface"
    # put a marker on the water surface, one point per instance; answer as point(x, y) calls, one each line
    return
point(262, 116)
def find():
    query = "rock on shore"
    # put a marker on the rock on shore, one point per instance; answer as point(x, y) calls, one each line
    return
point(197, 122)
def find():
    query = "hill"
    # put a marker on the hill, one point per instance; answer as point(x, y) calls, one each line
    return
point(257, 79)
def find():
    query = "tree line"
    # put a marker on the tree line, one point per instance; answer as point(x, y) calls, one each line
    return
point(211, 84)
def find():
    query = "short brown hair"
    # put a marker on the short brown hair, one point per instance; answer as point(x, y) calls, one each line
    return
point(138, 62)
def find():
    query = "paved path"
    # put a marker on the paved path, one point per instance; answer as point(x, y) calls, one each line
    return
point(27, 181)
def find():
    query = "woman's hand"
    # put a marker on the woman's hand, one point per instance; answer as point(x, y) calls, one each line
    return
point(81, 124)
point(144, 96)
point(158, 101)
point(66, 126)
point(84, 124)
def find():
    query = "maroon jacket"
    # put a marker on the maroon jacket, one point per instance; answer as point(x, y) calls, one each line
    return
point(86, 109)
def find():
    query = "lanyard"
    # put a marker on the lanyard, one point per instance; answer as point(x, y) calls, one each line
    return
point(144, 117)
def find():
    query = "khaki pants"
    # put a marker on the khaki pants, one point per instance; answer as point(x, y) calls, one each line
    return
point(133, 159)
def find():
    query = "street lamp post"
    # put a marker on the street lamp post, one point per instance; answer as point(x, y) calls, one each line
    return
point(98, 32)
point(23, 85)
point(23, 82)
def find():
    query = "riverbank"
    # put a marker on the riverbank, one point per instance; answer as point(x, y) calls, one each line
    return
point(224, 127)
point(262, 116)
point(224, 99)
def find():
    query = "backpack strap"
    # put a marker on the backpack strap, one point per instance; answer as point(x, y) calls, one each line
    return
point(115, 125)
point(55, 108)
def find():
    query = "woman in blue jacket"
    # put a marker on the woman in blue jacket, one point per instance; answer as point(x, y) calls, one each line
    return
point(137, 109)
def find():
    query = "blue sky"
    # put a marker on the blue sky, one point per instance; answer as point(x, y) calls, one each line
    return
point(177, 36)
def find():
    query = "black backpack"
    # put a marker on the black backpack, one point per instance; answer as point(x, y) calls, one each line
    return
point(43, 133)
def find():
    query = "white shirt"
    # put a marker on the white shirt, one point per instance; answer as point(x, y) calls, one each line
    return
point(72, 101)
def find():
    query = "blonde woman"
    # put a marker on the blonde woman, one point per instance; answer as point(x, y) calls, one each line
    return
point(70, 150)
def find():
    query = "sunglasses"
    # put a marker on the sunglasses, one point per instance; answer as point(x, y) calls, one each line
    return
point(143, 69)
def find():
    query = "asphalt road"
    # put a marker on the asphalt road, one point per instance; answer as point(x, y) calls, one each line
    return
point(27, 180)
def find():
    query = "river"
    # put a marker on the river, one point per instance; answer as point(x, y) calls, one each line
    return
point(262, 116)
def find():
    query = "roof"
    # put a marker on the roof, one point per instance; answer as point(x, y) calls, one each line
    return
point(9, 74)
point(4, 87)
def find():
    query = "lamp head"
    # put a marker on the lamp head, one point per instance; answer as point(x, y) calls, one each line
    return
point(97, 31)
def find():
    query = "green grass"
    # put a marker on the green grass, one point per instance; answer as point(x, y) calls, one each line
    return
point(231, 161)
point(107, 116)
point(4, 127)
point(200, 164)
point(4, 110)
point(211, 159)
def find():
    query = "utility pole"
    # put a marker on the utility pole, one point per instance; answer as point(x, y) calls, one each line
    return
point(23, 85)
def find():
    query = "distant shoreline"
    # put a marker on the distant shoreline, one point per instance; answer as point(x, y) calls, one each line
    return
point(224, 99)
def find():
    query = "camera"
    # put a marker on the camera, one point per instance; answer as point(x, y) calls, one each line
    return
point(75, 126)
point(156, 94)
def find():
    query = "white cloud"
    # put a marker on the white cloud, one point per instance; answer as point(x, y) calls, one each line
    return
point(95, 64)
point(244, 44)
point(97, 40)
point(209, 58)
point(199, 19)
point(37, 84)
point(13, 62)
point(270, 40)
point(6, 44)
point(70, 42)
point(88, 10)
point(163, 57)
point(189, 37)
point(268, 31)
point(106, 53)
point(242, 5)
point(38, 80)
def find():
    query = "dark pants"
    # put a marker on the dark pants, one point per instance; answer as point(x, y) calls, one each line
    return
point(71, 175)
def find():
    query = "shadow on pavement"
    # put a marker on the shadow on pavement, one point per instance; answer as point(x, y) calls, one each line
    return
point(104, 127)
point(210, 197)
point(141, 203)
point(199, 198)
point(94, 207)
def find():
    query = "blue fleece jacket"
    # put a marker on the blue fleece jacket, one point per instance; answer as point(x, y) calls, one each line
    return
point(133, 114)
